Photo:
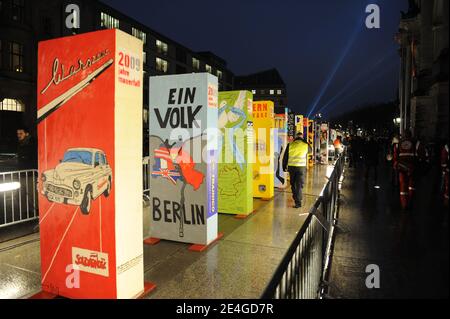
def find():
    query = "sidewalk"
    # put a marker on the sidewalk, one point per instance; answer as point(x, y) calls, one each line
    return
point(411, 249)
point(238, 266)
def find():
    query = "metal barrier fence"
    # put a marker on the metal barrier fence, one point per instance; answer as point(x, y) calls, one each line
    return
point(19, 194)
point(18, 197)
point(303, 271)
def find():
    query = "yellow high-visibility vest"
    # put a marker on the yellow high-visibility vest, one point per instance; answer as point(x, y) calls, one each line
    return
point(298, 154)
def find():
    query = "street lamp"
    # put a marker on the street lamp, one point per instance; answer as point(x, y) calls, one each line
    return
point(5, 187)
point(397, 121)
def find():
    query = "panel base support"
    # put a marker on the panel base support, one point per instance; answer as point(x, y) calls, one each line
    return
point(242, 216)
point(148, 288)
point(200, 247)
point(151, 241)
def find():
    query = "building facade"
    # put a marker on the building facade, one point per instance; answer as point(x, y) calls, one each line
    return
point(23, 23)
point(265, 85)
point(423, 82)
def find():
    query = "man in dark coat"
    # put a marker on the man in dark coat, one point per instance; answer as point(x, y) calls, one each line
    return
point(26, 150)
point(371, 150)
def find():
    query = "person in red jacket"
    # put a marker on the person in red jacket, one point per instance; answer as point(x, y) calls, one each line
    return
point(445, 168)
point(404, 160)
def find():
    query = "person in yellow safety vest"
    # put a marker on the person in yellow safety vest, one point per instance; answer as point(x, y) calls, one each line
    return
point(295, 161)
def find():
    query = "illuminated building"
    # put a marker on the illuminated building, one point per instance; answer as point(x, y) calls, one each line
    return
point(23, 23)
point(423, 86)
point(265, 86)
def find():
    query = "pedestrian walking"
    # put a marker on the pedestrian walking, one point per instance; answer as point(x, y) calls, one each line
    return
point(371, 152)
point(404, 162)
point(338, 147)
point(445, 171)
point(352, 151)
point(390, 157)
point(422, 157)
point(295, 161)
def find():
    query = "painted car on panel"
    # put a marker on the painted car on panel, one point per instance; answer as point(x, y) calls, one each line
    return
point(81, 176)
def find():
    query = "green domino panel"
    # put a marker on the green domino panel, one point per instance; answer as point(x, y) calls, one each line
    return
point(235, 190)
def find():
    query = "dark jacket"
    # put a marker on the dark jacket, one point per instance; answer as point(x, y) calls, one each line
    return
point(27, 154)
point(371, 152)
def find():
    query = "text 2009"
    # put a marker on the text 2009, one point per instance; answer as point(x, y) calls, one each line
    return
point(129, 61)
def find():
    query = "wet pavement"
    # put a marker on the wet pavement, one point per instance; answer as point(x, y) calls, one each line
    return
point(20, 267)
point(238, 266)
point(411, 248)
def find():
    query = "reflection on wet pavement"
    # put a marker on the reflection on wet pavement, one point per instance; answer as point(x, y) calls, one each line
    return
point(411, 249)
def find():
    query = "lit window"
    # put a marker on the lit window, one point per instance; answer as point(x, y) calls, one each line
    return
point(108, 22)
point(161, 47)
point(208, 68)
point(279, 92)
point(18, 8)
point(219, 74)
point(162, 65)
point(196, 64)
point(16, 56)
point(254, 91)
point(144, 57)
point(139, 34)
point(272, 92)
point(12, 105)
